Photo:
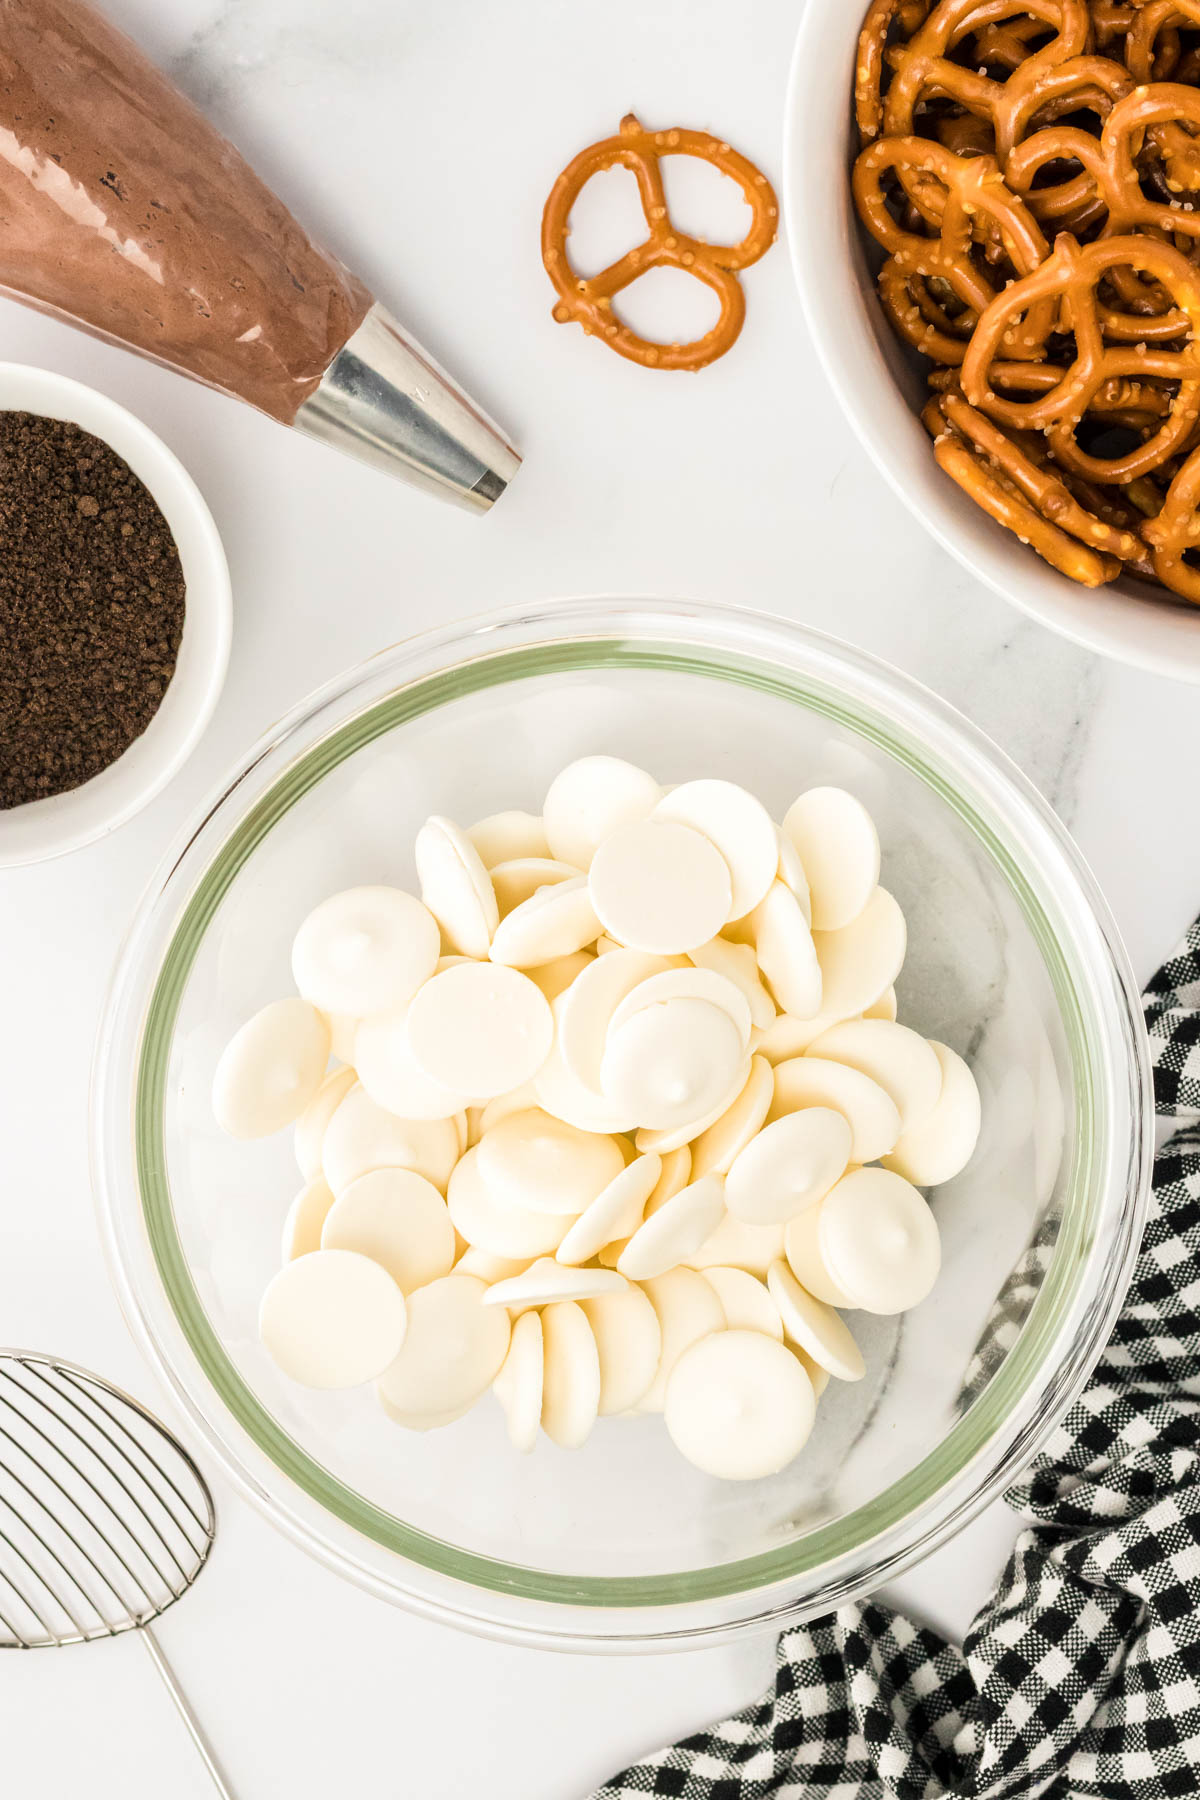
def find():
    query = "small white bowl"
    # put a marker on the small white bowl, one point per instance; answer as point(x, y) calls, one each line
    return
point(46, 828)
point(881, 388)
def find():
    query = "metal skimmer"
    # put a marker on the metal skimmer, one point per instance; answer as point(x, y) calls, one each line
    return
point(105, 1520)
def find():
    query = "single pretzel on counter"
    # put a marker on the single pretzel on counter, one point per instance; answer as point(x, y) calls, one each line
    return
point(587, 300)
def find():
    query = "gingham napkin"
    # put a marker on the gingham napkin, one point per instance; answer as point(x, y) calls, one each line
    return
point(1081, 1675)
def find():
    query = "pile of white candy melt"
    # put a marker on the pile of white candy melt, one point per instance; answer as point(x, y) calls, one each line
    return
point(620, 1116)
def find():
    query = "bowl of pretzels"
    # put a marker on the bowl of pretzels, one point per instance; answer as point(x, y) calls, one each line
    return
point(994, 213)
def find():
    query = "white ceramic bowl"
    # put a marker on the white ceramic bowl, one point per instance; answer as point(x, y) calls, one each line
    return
point(45, 828)
point(880, 383)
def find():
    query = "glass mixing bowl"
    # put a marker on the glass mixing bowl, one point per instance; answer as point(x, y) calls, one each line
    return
point(1012, 959)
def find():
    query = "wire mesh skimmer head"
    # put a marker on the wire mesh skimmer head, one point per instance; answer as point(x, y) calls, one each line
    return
point(105, 1520)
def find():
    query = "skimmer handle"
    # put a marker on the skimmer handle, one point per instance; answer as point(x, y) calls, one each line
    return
point(155, 1653)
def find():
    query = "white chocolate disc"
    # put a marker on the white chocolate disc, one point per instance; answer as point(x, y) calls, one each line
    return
point(313, 1121)
point(456, 886)
point(392, 1075)
point(521, 878)
point(737, 963)
point(422, 1421)
point(558, 1092)
point(839, 847)
point(688, 984)
point(863, 958)
point(735, 1244)
point(505, 835)
point(816, 1374)
point(802, 1247)
point(884, 1007)
point(518, 1386)
point(342, 1030)
point(489, 1268)
point(676, 1230)
point(546, 1281)
point(660, 1142)
point(629, 1342)
point(788, 1166)
point(738, 826)
point(554, 922)
point(739, 1406)
point(814, 1081)
point(454, 1350)
point(588, 1004)
point(554, 978)
point(687, 1310)
point(900, 1060)
point(270, 1069)
point(671, 1063)
point(503, 1106)
point(332, 1319)
point(571, 1384)
point(786, 952)
point(614, 1214)
point(365, 950)
point(535, 1161)
point(590, 799)
point(306, 1215)
point(493, 1224)
point(791, 873)
point(399, 1220)
point(745, 1301)
point(362, 1136)
point(814, 1326)
point(715, 1149)
point(879, 1241)
point(660, 886)
point(480, 1029)
point(789, 1036)
point(676, 1173)
point(941, 1144)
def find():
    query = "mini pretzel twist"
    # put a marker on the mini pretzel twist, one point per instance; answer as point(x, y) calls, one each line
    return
point(1152, 47)
point(965, 194)
point(909, 15)
point(587, 300)
point(1176, 530)
point(1110, 164)
point(1011, 488)
point(1030, 470)
point(1060, 71)
point(1070, 276)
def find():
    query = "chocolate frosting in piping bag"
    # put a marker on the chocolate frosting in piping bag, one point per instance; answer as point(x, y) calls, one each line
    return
point(124, 211)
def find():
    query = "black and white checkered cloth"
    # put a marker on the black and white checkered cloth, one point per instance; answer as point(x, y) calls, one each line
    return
point(1080, 1678)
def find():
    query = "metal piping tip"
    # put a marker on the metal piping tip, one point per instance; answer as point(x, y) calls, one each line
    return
point(385, 401)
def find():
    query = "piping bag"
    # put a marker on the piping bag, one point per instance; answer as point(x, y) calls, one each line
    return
point(123, 211)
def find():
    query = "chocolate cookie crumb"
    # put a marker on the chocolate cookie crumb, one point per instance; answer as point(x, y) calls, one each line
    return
point(91, 607)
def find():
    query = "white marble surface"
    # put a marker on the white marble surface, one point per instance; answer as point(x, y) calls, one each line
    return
point(420, 139)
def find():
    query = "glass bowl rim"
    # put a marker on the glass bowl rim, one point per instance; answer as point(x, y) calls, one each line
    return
point(632, 1609)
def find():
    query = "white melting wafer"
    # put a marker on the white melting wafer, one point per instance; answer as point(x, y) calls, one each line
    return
point(607, 1126)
